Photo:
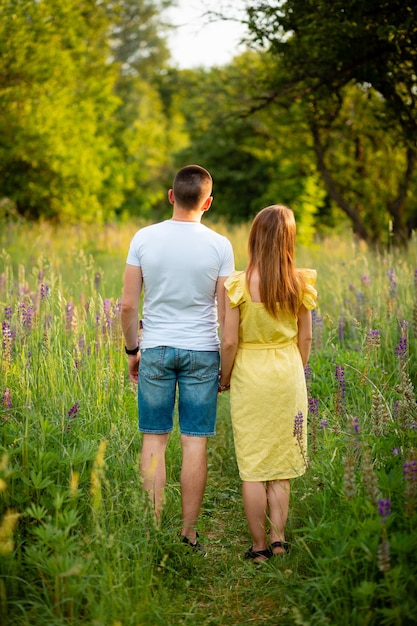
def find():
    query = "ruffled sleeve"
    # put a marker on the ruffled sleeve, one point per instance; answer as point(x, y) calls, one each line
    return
point(235, 287)
point(309, 298)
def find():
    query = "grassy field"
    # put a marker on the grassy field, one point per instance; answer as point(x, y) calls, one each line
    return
point(77, 542)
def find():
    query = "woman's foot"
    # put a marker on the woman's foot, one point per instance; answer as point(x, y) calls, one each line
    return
point(280, 547)
point(257, 556)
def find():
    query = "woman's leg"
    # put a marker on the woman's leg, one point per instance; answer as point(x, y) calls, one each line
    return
point(278, 494)
point(255, 505)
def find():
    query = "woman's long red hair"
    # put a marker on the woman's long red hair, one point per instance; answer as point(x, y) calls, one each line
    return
point(271, 250)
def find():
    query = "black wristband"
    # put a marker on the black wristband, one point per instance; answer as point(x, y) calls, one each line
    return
point(134, 351)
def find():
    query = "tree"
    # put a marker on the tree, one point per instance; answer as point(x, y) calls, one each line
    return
point(321, 50)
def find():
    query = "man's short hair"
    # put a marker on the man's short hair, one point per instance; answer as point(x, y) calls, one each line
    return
point(192, 185)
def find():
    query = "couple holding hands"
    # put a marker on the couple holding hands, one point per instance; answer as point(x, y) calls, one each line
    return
point(186, 272)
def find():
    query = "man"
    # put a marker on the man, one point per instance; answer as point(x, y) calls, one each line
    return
point(182, 266)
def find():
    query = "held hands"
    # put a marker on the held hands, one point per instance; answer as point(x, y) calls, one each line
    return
point(222, 387)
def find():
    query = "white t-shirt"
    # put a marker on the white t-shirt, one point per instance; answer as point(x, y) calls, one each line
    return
point(180, 263)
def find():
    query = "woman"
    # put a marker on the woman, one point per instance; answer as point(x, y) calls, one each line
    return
point(266, 344)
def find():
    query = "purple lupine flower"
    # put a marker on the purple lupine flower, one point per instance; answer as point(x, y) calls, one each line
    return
point(384, 509)
point(410, 471)
point(298, 425)
point(72, 414)
point(307, 374)
point(7, 398)
point(324, 423)
point(355, 425)
point(395, 451)
point(43, 291)
point(69, 312)
point(81, 342)
point(401, 348)
point(341, 390)
point(7, 341)
point(27, 313)
point(373, 338)
point(392, 283)
point(313, 406)
point(8, 312)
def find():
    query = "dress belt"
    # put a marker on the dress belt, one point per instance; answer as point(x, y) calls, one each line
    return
point(266, 346)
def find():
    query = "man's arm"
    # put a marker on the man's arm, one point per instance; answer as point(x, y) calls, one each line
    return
point(129, 315)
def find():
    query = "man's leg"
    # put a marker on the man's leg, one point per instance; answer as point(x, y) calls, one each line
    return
point(153, 469)
point(193, 482)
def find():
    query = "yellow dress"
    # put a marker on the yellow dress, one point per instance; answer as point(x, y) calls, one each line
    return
point(268, 388)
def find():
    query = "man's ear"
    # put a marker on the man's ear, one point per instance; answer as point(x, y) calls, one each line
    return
point(207, 203)
point(171, 196)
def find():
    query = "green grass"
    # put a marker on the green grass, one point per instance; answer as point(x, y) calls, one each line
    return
point(77, 541)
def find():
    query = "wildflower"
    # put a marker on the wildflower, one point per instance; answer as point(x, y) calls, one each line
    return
point(7, 342)
point(69, 313)
point(299, 435)
point(97, 280)
point(349, 483)
point(8, 312)
point(298, 425)
point(7, 526)
point(27, 315)
point(395, 451)
point(307, 375)
point(341, 390)
point(401, 348)
point(373, 339)
point(317, 329)
point(380, 414)
point(72, 414)
point(384, 509)
point(392, 283)
point(324, 423)
point(366, 280)
point(43, 291)
point(7, 398)
point(313, 406)
point(384, 555)
point(355, 425)
point(370, 480)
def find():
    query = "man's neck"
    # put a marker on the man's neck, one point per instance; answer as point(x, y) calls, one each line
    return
point(179, 215)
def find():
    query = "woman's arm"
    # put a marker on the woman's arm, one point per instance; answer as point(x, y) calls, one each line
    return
point(230, 340)
point(305, 333)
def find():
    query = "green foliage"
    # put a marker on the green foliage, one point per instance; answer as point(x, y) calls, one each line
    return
point(324, 51)
point(77, 541)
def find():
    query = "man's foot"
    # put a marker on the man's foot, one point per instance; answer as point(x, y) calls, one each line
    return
point(196, 547)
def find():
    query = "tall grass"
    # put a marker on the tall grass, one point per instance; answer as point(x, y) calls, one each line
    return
point(77, 542)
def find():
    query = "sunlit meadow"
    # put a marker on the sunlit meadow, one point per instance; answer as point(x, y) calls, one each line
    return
point(77, 541)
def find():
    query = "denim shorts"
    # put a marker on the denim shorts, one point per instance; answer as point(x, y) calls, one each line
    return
point(162, 371)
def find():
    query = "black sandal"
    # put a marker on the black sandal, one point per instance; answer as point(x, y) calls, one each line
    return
point(280, 544)
point(254, 554)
